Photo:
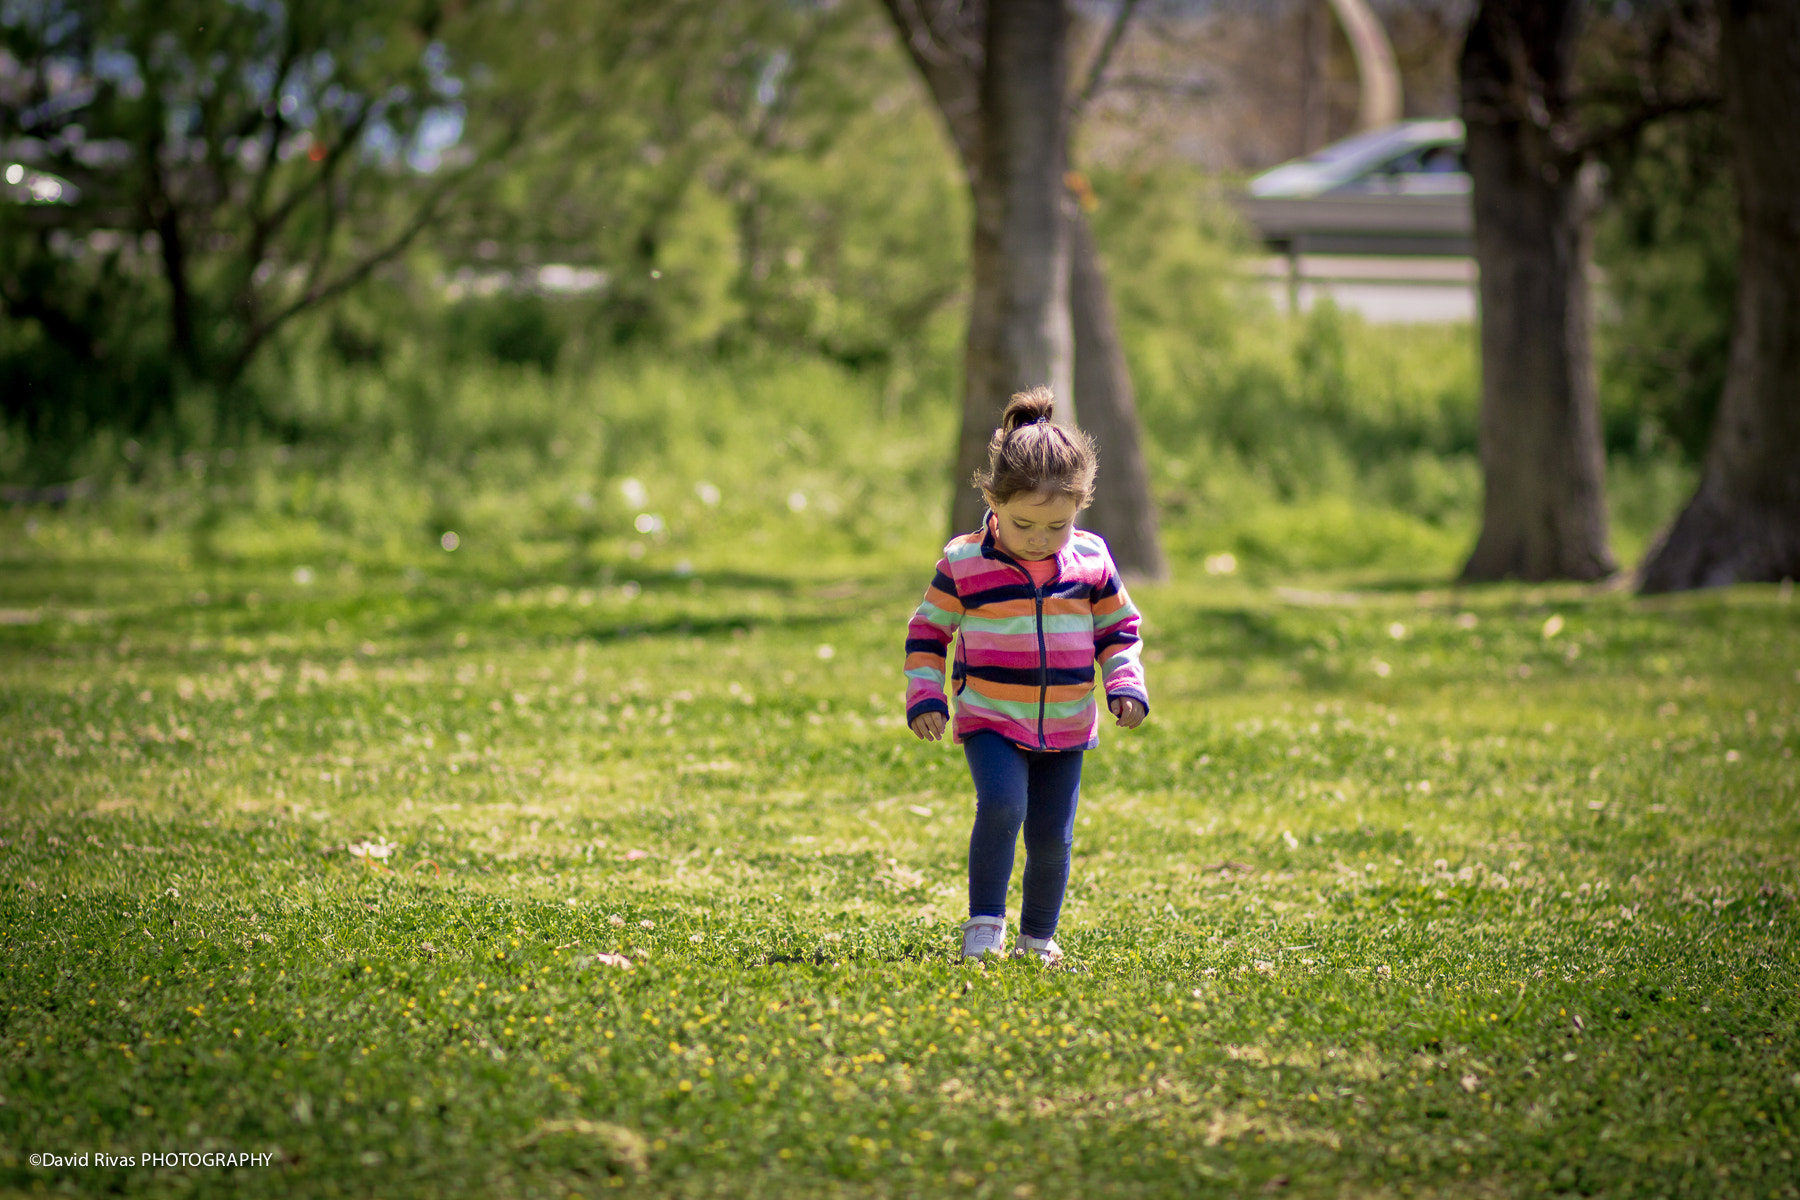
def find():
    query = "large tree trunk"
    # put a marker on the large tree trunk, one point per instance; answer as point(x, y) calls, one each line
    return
point(1019, 335)
point(1544, 515)
point(1123, 511)
point(1743, 524)
point(946, 43)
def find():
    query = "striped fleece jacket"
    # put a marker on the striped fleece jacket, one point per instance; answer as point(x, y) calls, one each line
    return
point(1025, 655)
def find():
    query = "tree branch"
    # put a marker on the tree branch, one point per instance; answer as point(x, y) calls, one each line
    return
point(317, 292)
point(266, 227)
point(265, 171)
point(1102, 59)
point(946, 47)
point(949, 37)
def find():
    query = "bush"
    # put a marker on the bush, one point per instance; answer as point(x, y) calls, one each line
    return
point(1668, 244)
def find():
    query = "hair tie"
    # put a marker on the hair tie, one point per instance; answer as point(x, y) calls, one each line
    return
point(1042, 421)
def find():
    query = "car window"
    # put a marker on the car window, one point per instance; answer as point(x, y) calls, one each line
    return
point(1425, 160)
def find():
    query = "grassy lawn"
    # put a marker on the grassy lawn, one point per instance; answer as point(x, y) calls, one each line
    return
point(1396, 893)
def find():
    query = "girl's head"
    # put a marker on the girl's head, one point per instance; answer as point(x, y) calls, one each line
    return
point(1039, 474)
point(1030, 454)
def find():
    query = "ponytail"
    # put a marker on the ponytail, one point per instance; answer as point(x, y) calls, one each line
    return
point(1030, 454)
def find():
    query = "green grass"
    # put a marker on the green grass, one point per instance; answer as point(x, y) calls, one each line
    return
point(1396, 893)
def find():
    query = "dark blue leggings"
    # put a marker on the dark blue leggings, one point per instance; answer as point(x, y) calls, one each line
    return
point(1036, 789)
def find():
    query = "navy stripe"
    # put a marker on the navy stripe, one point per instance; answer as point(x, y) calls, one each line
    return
point(1032, 676)
point(925, 646)
point(1116, 637)
point(1065, 590)
point(996, 595)
point(942, 582)
point(935, 704)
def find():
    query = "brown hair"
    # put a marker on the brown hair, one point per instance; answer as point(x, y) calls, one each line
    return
point(1030, 454)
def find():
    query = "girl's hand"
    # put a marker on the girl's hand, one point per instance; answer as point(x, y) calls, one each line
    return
point(929, 726)
point(1130, 712)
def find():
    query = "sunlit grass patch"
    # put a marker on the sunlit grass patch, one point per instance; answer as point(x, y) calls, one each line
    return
point(461, 884)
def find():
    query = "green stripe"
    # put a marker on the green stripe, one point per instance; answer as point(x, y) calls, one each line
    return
point(1107, 622)
point(1124, 660)
point(1018, 710)
point(1069, 708)
point(927, 674)
point(1024, 710)
point(975, 624)
point(937, 616)
point(1056, 623)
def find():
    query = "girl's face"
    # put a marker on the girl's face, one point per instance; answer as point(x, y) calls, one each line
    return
point(1034, 524)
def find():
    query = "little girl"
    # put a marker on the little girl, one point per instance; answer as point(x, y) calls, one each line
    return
point(1038, 603)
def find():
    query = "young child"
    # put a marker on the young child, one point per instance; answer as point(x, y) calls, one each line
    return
point(1033, 604)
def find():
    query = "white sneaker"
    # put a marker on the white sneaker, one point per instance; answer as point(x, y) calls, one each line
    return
point(982, 936)
point(1044, 949)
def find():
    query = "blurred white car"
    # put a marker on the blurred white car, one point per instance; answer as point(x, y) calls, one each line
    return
point(1413, 158)
point(1400, 190)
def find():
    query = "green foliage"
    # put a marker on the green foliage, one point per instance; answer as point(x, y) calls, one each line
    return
point(751, 173)
point(1396, 894)
point(1668, 242)
point(514, 330)
point(529, 467)
point(83, 347)
point(310, 140)
point(1365, 435)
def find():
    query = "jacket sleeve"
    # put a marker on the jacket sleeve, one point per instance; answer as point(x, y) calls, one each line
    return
point(1117, 647)
point(928, 638)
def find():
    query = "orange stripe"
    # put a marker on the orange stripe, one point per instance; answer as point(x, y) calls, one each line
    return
point(1004, 691)
point(1063, 693)
point(1059, 694)
point(943, 600)
point(1005, 608)
point(923, 658)
point(1111, 604)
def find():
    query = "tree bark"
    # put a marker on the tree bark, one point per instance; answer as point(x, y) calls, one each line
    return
point(945, 42)
point(1019, 334)
point(1123, 511)
point(1743, 523)
point(1544, 512)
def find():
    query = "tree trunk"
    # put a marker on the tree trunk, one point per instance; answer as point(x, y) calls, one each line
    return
point(1123, 511)
point(1019, 334)
point(946, 45)
point(1743, 524)
point(1544, 513)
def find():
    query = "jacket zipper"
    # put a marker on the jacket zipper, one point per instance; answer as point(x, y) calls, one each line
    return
point(1043, 665)
point(1037, 595)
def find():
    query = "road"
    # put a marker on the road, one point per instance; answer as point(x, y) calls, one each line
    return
point(1396, 290)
